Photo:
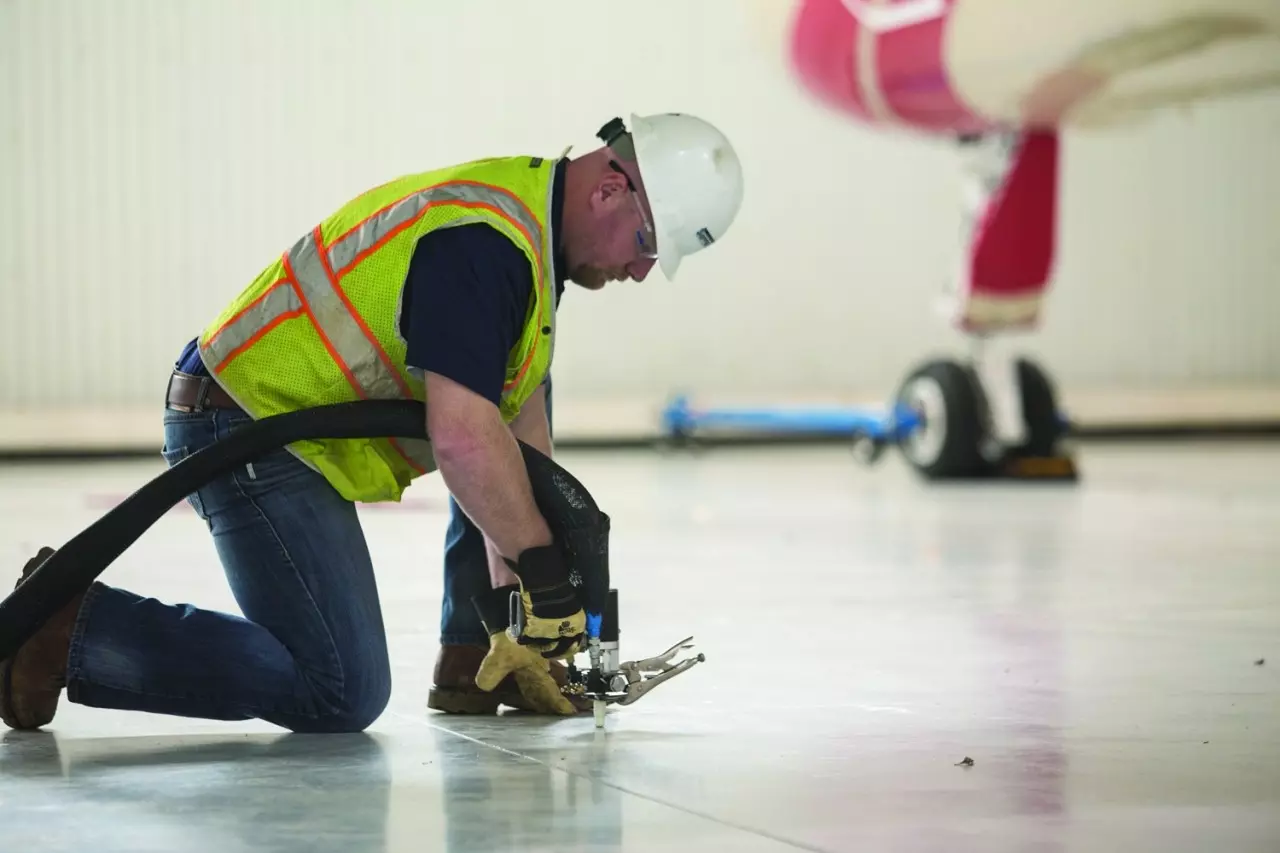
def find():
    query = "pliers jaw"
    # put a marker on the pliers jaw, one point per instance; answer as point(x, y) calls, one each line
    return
point(626, 683)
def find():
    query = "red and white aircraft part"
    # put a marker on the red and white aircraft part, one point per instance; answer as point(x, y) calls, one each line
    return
point(960, 66)
point(883, 62)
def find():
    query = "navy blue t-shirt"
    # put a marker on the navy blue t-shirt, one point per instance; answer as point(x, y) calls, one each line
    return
point(464, 305)
point(465, 299)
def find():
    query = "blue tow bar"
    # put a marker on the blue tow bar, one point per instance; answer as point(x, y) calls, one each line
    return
point(679, 418)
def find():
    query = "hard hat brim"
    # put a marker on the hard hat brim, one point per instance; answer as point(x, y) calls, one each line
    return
point(669, 256)
point(693, 181)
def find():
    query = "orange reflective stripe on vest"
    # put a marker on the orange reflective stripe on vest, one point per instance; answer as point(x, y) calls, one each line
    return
point(311, 287)
point(350, 248)
point(279, 303)
point(314, 273)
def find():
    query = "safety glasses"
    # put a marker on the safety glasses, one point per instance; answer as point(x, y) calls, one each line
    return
point(646, 239)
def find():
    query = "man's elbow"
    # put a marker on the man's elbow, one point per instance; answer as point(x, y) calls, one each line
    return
point(460, 423)
point(454, 436)
point(449, 445)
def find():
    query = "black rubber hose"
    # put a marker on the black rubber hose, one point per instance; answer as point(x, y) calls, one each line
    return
point(559, 494)
point(565, 503)
point(85, 556)
point(578, 525)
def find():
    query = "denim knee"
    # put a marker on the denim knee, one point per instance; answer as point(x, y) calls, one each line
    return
point(359, 706)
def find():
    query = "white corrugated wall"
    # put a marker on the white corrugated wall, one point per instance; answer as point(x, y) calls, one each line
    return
point(155, 155)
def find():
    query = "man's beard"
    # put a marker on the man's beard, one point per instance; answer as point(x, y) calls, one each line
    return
point(592, 278)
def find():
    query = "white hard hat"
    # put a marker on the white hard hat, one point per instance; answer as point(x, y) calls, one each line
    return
point(693, 179)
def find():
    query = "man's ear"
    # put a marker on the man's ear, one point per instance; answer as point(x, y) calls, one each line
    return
point(610, 193)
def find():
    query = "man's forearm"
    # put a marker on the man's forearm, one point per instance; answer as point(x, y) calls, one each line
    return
point(487, 476)
point(483, 468)
point(532, 427)
point(500, 573)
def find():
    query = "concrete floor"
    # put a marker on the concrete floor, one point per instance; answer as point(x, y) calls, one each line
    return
point(1091, 648)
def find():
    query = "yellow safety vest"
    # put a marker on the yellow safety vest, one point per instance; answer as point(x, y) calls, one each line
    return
point(320, 324)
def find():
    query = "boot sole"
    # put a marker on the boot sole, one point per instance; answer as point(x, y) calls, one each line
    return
point(453, 701)
point(462, 701)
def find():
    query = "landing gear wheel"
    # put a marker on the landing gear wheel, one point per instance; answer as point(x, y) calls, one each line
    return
point(1039, 411)
point(947, 444)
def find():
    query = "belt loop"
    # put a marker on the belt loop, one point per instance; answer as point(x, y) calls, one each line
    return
point(202, 396)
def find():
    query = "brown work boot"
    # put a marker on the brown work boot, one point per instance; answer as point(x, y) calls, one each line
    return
point(454, 690)
point(31, 681)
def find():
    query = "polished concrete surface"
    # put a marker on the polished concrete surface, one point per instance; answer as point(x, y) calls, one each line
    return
point(1092, 649)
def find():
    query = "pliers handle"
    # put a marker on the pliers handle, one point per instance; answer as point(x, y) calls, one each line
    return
point(634, 671)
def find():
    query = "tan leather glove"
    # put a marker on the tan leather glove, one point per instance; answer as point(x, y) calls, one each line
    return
point(551, 618)
point(530, 670)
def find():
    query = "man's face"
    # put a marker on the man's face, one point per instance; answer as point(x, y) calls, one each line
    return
point(621, 245)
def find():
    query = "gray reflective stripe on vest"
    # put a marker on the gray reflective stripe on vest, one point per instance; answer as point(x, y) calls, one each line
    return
point(280, 301)
point(360, 354)
point(417, 451)
point(355, 348)
point(346, 249)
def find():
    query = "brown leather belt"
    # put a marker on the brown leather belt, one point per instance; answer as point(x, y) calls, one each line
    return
point(189, 393)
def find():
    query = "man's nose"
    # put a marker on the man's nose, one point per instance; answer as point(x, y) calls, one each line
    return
point(639, 270)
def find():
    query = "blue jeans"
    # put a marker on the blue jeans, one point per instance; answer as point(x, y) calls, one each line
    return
point(310, 652)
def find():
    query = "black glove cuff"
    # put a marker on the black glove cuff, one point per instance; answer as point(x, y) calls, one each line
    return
point(540, 568)
point(493, 608)
point(545, 578)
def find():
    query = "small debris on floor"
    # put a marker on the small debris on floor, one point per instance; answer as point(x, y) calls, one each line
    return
point(968, 762)
point(1259, 661)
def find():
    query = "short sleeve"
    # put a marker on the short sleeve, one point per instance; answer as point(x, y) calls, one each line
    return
point(466, 297)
